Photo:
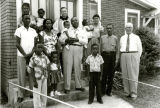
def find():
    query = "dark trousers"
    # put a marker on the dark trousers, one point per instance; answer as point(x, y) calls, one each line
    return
point(94, 82)
point(108, 71)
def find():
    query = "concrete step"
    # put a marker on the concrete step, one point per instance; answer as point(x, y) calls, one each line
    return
point(72, 96)
point(13, 90)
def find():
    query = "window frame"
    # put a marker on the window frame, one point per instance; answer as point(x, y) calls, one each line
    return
point(134, 11)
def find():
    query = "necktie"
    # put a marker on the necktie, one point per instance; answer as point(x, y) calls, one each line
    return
point(128, 41)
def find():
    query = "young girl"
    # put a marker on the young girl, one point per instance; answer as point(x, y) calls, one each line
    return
point(54, 74)
point(38, 68)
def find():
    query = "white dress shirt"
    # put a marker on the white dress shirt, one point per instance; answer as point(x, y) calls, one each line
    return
point(58, 26)
point(27, 39)
point(75, 33)
point(135, 43)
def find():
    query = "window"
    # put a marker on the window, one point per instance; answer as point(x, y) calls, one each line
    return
point(51, 7)
point(93, 9)
point(69, 4)
point(133, 16)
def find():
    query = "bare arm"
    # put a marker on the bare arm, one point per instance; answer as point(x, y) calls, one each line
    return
point(19, 47)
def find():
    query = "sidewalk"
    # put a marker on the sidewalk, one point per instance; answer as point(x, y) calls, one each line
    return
point(108, 102)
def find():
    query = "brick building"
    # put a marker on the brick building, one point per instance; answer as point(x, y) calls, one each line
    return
point(117, 12)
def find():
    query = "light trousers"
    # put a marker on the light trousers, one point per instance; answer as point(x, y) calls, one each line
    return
point(38, 100)
point(21, 72)
point(72, 59)
point(130, 69)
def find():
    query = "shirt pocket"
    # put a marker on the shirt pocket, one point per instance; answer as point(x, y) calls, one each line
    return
point(113, 46)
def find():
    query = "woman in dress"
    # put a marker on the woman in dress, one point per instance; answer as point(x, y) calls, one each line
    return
point(50, 39)
point(96, 33)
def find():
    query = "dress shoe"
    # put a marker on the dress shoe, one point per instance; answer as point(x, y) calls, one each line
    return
point(31, 95)
point(100, 101)
point(133, 96)
point(19, 100)
point(90, 102)
point(109, 94)
point(81, 89)
point(66, 91)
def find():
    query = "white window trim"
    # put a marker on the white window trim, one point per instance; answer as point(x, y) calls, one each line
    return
point(132, 11)
point(99, 8)
point(80, 11)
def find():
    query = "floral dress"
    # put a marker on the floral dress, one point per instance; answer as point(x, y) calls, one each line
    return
point(49, 41)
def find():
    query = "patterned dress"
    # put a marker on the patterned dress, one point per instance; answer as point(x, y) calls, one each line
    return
point(54, 73)
point(50, 41)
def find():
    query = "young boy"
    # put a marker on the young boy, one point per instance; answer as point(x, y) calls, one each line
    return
point(94, 67)
point(38, 68)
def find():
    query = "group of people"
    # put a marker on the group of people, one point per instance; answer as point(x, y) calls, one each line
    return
point(49, 51)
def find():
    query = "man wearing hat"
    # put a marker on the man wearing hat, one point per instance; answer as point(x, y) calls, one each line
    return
point(130, 53)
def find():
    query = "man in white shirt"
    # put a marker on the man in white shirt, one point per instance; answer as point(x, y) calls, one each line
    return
point(72, 57)
point(25, 37)
point(58, 26)
point(131, 50)
point(26, 10)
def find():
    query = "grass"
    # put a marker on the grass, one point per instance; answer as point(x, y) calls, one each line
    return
point(148, 97)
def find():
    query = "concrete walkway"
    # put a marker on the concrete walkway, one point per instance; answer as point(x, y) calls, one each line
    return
point(108, 102)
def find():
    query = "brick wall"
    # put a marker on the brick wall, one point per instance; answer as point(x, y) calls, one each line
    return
point(86, 9)
point(8, 59)
point(113, 11)
point(0, 53)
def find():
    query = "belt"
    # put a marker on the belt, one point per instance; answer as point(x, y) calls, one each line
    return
point(108, 52)
point(76, 45)
point(130, 52)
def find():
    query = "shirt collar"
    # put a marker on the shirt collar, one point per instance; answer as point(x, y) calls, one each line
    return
point(25, 28)
point(96, 55)
point(77, 29)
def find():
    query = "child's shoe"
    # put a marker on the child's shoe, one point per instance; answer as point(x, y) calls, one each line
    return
point(57, 93)
point(52, 93)
point(67, 46)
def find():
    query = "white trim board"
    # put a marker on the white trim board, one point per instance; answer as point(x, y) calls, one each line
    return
point(127, 10)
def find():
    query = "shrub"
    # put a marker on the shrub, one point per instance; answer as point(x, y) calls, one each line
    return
point(151, 50)
point(150, 54)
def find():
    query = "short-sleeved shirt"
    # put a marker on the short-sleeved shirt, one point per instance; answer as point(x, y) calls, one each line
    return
point(53, 67)
point(49, 41)
point(42, 61)
point(27, 39)
point(95, 62)
point(39, 21)
point(97, 30)
point(109, 43)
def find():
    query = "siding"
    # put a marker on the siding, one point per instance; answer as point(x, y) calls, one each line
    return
point(8, 20)
point(114, 12)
